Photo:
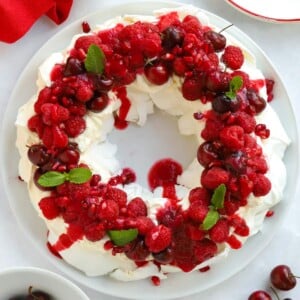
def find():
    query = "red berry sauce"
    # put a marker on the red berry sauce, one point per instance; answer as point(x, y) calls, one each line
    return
point(229, 154)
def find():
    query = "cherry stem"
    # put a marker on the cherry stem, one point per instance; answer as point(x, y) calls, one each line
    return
point(225, 28)
point(275, 293)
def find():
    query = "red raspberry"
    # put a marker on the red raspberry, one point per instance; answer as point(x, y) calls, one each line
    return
point(192, 88)
point(192, 24)
point(212, 129)
point(232, 137)
point(84, 93)
point(239, 225)
point(35, 124)
point(212, 178)
point(49, 208)
point(60, 139)
point(194, 233)
point(74, 126)
point(258, 164)
point(94, 232)
point(43, 97)
point(158, 238)
point(246, 186)
point(54, 113)
point(179, 66)
point(233, 57)
point(84, 42)
point(167, 20)
point(262, 185)
point(77, 109)
point(200, 194)
point(79, 192)
point(108, 210)
point(118, 195)
point(144, 225)
point(62, 202)
point(136, 208)
point(220, 232)
point(47, 137)
point(244, 120)
point(204, 250)
point(197, 211)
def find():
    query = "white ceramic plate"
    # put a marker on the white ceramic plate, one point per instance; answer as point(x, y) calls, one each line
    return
point(15, 281)
point(281, 11)
point(180, 284)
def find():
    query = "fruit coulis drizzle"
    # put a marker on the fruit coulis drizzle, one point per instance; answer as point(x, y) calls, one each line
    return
point(229, 154)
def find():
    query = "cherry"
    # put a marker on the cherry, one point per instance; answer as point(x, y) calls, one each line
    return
point(236, 162)
point(206, 154)
point(98, 104)
point(69, 156)
point(38, 155)
point(259, 295)
point(157, 74)
point(102, 84)
point(33, 295)
point(192, 88)
point(218, 40)
point(258, 103)
point(282, 278)
point(221, 104)
point(164, 257)
point(171, 37)
point(73, 67)
point(137, 251)
point(218, 81)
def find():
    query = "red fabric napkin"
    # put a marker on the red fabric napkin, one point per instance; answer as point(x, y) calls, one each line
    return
point(17, 16)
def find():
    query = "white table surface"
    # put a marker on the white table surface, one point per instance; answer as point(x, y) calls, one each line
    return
point(281, 42)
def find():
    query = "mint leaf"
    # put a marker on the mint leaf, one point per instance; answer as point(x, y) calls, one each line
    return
point(234, 86)
point(122, 237)
point(79, 175)
point(217, 199)
point(95, 60)
point(210, 220)
point(52, 178)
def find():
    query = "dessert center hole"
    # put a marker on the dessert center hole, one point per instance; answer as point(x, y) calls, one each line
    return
point(140, 147)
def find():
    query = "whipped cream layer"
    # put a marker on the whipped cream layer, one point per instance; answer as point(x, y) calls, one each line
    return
point(100, 155)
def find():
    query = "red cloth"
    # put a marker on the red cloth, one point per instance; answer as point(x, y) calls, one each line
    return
point(17, 16)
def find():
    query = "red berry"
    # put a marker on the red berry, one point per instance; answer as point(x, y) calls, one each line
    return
point(75, 126)
point(218, 40)
point(197, 211)
point(98, 104)
point(108, 210)
point(85, 27)
point(157, 74)
point(171, 37)
point(232, 137)
point(205, 249)
point(164, 257)
point(282, 278)
point(220, 231)
point(200, 194)
point(158, 238)
point(49, 208)
point(137, 208)
point(38, 155)
point(218, 81)
point(144, 225)
point(213, 177)
point(60, 139)
point(246, 121)
point(94, 232)
point(262, 185)
point(260, 295)
point(84, 42)
point(207, 154)
point(84, 93)
point(137, 250)
point(69, 156)
point(192, 88)
point(54, 113)
point(73, 67)
point(233, 57)
point(117, 195)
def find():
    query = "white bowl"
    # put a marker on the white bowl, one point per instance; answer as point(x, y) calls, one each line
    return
point(16, 281)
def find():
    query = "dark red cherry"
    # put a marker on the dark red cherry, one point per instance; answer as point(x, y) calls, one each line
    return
point(218, 40)
point(217, 81)
point(258, 103)
point(164, 257)
point(221, 104)
point(38, 155)
point(98, 104)
point(206, 154)
point(260, 295)
point(69, 156)
point(137, 250)
point(157, 74)
point(73, 67)
point(171, 37)
point(282, 278)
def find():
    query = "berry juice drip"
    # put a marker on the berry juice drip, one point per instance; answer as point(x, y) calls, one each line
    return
point(120, 120)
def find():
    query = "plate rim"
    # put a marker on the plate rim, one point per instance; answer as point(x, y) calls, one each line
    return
point(63, 267)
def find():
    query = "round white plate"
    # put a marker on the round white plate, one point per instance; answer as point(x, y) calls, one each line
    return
point(281, 11)
point(179, 284)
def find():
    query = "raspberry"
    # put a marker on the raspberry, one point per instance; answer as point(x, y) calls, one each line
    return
point(144, 225)
point(191, 24)
point(158, 238)
point(232, 137)
point(43, 97)
point(77, 109)
point(212, 178)
point(108, 210)
point(239, 225)
point(258, 164)
point(168, 20)
point(246, 186)
point(35, 124)
point(74, 126)
point(49, 208)
point(84, 93)
point(119, 196)
point(194, 233)
point(262, 185)
point(47, 137)
point(192, 88)
point(244, 120)
point(220, 232)
point(179, 66)
point(84, 42)
point(136, 208)
point(54, 113)
point(62, 202)
point(212, 129)
point(204, 250)
point(197, 211)
point(60, 139)
point(94, 232)
point(200, 194)
point(233, 57)
point(79, 192)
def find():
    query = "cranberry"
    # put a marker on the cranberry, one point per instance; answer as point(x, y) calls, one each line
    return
point(218, 81)
point(171, 37)
point(157, 74)
point(137, 250)
point(258, 103)
point(282, 278)
point(38, 155)
point(259, 295)
point(164, 257)
point(206, 153)
point(98, 104)
point(73, 67)
point(218, 40)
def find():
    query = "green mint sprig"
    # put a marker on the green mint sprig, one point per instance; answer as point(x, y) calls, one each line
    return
point(234, 86)
point(122, 237)
point(95, 60)
point(54, 178)
point(217, 201)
